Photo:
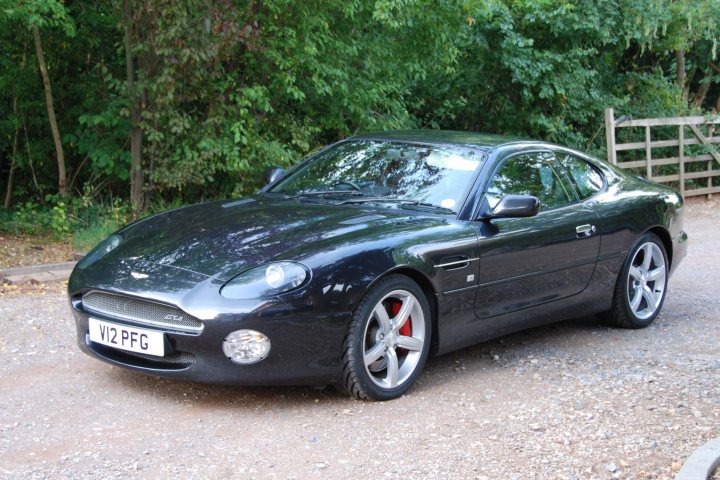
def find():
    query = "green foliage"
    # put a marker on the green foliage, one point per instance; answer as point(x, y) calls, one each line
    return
point(229, 88)
point(28, 219)
point(81, 219)
point(37, 13)
point(31, 218)
point(59, 220)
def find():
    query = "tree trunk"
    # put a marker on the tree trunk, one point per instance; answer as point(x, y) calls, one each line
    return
point(703, 90)
point(8, 193)
point(680, 59)
point(136, 134)
point(30, 164)
point(689, 77)
point(11, 174)
point(62, 182)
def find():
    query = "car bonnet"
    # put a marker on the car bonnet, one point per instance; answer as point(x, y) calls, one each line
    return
point(222, 239)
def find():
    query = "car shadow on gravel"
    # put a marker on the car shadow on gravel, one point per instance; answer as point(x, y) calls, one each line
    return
point(569, 339)
point(562, 339)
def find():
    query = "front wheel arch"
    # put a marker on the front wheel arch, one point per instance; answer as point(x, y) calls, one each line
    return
point(366, 370)
point(430, 294)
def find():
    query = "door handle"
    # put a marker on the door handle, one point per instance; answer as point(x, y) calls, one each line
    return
point(586, 230)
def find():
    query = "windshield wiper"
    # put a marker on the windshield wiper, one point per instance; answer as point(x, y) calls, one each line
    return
point(322, 193)
point(401, 202)
point(415, 203)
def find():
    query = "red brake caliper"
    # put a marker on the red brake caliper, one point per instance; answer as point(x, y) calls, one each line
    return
point(405, 330)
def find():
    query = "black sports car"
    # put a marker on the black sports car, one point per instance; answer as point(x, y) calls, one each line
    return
point(355, 265)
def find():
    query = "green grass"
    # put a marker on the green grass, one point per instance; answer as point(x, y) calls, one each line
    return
point(85, 239)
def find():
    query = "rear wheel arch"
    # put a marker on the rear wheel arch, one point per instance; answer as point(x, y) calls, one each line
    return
point(664, 236)
point(628, 298)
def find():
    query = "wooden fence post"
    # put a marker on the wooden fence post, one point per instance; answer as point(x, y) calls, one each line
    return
point(681, 160)
point(691, 177)
point(610, 135)
point(648, 152)
point(711, 132)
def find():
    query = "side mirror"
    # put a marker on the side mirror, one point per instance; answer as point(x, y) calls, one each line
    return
point(516, 206)
point(273, 173)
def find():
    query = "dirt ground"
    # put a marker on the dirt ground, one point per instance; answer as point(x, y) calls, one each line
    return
point(22, 250)
point(575, 400)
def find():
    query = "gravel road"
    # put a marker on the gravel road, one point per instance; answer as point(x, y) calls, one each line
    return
point(575, 400)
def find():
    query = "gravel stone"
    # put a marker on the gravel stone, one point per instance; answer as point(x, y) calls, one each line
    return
point(574, 400)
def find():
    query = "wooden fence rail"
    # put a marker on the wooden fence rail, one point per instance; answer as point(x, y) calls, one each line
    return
point(695, 125)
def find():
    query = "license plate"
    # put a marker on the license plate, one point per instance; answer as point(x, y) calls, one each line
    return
point(140, 340)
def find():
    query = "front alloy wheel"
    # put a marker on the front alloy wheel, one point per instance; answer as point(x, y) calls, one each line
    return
point(388, 340)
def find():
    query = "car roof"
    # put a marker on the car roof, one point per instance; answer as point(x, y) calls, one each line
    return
point(483, 141)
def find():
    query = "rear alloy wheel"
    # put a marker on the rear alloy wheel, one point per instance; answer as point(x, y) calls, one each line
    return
point(388, 340)
point(640, 289)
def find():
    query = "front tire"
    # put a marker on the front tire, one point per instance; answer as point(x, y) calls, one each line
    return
point(388, 340)
point(641, 285)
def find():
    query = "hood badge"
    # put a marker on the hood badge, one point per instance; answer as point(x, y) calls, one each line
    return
point(139, 276)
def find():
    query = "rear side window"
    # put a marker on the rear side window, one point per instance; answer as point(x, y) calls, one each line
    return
point(585, 177)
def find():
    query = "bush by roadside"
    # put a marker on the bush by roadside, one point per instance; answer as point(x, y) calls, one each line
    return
point(59, 225)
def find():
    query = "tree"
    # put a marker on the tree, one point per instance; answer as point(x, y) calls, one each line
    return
point(36, 14)
point(202, 96)
point(62, 180)
point(135, 107)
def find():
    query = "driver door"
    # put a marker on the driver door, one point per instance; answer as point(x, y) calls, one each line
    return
point(526, 262)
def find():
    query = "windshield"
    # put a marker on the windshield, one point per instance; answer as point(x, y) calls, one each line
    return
point(433, 175)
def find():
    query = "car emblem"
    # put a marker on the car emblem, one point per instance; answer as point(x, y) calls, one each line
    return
point(174, 318)
point(139, 275)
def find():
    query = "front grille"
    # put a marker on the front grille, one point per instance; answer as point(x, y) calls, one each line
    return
point(140, 311)
point(177, 358)
point(174, 361)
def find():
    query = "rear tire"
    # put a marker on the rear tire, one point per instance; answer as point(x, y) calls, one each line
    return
point(642, 284)
point(388, 340)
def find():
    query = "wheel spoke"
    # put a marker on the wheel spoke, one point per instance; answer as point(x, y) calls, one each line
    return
point(650, 298)
point(390, 358)
point(647, 257)
point(646, 277)
point(635, 302)
point(392, 368)
point(374, 354)
point(635, 273)
point(404, 313)
point(656, 274)
point(410, 343)
point(382, 317)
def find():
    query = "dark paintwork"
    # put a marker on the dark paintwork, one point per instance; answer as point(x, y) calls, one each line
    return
point(530, 270)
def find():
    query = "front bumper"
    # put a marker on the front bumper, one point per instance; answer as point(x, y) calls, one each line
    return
point(306, 346)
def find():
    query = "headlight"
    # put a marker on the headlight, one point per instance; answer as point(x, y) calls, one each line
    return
point(266, 281)
point(102, 249)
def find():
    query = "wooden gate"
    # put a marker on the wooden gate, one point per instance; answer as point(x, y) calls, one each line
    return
point(692, 171)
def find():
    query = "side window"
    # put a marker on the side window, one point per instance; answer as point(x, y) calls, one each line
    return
point(586, 178)
point(531, 174)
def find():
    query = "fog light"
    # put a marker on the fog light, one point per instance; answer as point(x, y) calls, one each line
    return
point(246, 346)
